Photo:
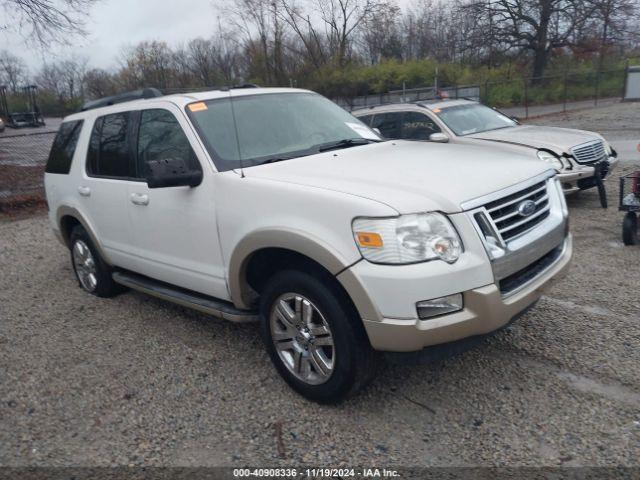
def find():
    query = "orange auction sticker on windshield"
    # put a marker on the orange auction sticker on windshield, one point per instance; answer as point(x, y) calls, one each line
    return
point(197, 107)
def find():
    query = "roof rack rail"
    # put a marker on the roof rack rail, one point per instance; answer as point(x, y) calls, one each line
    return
point(121, 98)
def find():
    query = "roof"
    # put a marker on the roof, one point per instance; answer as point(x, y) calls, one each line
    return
point(430, 104)
point(179, 99)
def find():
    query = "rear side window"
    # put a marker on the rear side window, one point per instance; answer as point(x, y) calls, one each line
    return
point(109, 154)
point(388, 124)
point(63, 148)
point(366, 119)
point(161, 137)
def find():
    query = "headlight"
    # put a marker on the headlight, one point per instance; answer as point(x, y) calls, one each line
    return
point(551, 159)
point(407, 239)
point(607, 148)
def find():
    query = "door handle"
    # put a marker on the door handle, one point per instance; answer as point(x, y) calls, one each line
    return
point(84, 191)
point(139, 199)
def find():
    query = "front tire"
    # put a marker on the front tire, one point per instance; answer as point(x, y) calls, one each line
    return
point(92, 273)
point(314, 336)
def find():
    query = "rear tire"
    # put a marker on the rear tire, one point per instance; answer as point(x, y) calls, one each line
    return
point(630, 229)
point(314, 336)
point(92, 273)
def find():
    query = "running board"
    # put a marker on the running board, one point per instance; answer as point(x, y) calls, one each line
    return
point(184, 297)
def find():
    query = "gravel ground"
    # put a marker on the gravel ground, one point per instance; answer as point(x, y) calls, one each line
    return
point(134, 380)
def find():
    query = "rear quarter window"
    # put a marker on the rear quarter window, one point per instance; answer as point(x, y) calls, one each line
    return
point(63, 148)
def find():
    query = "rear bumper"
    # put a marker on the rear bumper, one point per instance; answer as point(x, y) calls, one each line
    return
point(485, 310)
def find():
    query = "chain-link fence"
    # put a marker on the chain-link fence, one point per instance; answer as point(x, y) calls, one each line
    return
point(22, 160)
point(531, 97)
point(521, 97)
point(409, 95)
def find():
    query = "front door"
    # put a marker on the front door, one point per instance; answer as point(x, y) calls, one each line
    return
point(175, 233)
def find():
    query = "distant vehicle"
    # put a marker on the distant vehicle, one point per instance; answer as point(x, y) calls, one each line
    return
point(572, 153)
point(29, 118)
point(26, 119)
point(277, 205)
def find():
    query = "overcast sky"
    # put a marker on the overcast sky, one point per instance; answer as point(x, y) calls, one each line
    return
point(116, 24)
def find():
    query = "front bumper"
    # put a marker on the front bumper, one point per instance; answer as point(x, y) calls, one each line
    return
point(571, 178)
point(485, 310)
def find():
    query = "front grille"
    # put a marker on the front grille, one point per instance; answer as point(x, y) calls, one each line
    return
point(516, 280)
point(508, 220)
point(589, 152)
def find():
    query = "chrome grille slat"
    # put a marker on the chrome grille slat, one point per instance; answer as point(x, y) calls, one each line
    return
point(506, 218)
point(525, 220)
point(589, 152)
point(515, 212)
point(519, 199)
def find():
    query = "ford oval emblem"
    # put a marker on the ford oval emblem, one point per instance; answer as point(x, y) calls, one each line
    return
point(526, 208)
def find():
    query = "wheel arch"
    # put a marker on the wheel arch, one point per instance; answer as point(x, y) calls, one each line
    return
point(67, 218)
point(297, 247)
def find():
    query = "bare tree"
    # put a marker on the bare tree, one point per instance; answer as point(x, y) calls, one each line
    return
point(614, 18)
point(380, 35)
point(538, 26)
point(148, 64)
point(332, 36)
point(100, 83)
point(46, 21)
point(50, 78)
point(200, 54)
point(12, 70)
point(226, 56)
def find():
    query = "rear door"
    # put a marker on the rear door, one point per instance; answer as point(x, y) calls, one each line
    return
point(103, 186)
point(176, 239)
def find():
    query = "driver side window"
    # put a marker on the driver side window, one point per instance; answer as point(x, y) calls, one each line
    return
point(161, 137)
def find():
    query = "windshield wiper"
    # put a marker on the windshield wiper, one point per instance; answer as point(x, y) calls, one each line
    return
point(275, 159)
point(345, 143)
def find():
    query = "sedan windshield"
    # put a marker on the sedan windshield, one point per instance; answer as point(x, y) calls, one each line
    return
point(473, 118)
point(251, 130)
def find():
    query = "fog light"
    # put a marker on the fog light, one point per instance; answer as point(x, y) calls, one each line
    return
point(439, 306)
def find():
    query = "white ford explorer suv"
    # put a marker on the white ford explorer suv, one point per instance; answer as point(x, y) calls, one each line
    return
point(277, 205)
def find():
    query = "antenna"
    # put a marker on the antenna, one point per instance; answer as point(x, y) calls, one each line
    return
point(235, 127)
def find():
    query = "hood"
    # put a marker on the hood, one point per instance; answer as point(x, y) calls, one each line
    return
point(558, 140)
point(407, 176)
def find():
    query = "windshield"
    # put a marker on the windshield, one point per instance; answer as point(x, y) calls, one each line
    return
point(263, 128)
point(472, 118)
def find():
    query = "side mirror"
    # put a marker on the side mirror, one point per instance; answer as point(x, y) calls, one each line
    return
point(438, 137)
point(172, 172)
point(377, 130)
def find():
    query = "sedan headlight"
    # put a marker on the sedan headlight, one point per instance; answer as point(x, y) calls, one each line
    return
point(551, 159)
point(407, 239)
point(607, 148)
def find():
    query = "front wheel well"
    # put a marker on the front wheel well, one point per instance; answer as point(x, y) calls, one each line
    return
point(265, 263)
point(67, 224)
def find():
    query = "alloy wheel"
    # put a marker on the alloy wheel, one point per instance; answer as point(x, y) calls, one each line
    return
point(85, 266)
point(302, 337)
